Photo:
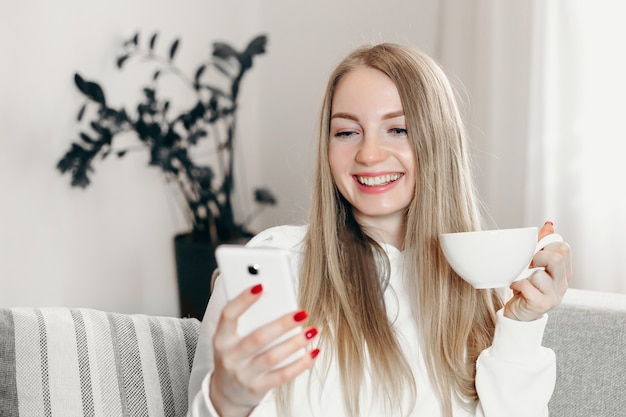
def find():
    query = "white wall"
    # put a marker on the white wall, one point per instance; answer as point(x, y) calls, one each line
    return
point(109, 246)
point(485, 46)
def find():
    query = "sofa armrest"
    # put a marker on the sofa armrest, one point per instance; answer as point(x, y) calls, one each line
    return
point(588, 334)
point(83, 362)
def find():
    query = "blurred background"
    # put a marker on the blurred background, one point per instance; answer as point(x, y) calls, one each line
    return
point(541, 85)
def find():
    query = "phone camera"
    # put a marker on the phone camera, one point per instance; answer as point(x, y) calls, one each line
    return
point(253, 269)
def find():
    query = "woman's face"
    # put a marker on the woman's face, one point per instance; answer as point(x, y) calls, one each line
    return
point(370, 156)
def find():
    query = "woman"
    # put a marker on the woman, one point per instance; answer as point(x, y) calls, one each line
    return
point(392, 330)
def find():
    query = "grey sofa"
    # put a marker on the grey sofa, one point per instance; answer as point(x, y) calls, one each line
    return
point(81, 362)
point(588, 334)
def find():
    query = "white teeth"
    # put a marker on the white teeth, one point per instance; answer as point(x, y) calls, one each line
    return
point(381, 180)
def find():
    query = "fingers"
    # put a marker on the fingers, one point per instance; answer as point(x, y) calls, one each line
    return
point(246, 368)
point(544, 289)
point(546, 229)
point(274, 332)
point(556, 259)
point(271, 355)
point(539, 293)
point(265, 347)
point(227, 326)
point(267, 365)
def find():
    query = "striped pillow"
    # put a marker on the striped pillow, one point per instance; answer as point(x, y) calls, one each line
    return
point(83, 362)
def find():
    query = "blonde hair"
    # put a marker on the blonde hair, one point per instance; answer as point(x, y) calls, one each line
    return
point(341, 284)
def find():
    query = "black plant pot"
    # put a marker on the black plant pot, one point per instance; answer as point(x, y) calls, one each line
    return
point(195, 263)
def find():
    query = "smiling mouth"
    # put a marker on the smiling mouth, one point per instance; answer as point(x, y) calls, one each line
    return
point(378, 181)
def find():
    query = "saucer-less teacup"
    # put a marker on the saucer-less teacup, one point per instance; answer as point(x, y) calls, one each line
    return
point(494, 258)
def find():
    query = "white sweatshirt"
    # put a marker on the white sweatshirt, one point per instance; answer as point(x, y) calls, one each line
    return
point(514, 377)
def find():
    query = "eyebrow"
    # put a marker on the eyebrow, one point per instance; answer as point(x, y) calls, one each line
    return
point(349, 116)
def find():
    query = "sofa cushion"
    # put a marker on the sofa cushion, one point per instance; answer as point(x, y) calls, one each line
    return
point(588, 335)
point(83, 362)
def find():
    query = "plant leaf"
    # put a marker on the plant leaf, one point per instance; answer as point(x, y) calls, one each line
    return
point(89, 88)
point(153, 39)
point(150, 93)
point(215, 91)
point(103, 131)
point(224, 51)
point(80, 83)
point(134, 40)
point(81, 112)
point(222, 69)
point(123, 116)
point(197, 135)
point(257, 46)
point(199, 72)
point(264, 196)
point(174, 48)
point(156, 74)
point(95, 92)
point(121, 60)
point(86, 138)
point(198, 111)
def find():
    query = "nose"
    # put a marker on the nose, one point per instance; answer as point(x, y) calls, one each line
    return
point(371, 150)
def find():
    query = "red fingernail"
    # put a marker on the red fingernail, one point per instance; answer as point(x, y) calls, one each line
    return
point(314, 353)
point(300, 315)
point(311, 333)
point(256, 289)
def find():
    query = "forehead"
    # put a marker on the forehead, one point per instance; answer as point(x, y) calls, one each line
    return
point(366, 88)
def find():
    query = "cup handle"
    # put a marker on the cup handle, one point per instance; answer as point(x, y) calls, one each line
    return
point(545, 241)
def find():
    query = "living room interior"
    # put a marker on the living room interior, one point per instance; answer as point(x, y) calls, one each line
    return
point(544, 150)
point(91, 272)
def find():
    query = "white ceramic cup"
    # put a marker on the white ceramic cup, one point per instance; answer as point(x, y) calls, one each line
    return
point(494, 258)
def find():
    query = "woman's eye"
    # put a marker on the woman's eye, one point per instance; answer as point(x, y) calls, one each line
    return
point(344, 134)
point(398, 131)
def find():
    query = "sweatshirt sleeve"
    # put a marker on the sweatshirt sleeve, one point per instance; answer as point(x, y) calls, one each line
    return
point(199, 402)
point(515, 377)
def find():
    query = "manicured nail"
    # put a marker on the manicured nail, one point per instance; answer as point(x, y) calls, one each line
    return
point(256, 289)
point(314, 353)
point(311, 333)
point(550, 223)
point(300, 315)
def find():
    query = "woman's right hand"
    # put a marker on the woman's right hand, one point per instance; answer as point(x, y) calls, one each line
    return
point(243, 374)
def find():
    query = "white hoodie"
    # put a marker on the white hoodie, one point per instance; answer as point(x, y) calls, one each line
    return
point(514, 377)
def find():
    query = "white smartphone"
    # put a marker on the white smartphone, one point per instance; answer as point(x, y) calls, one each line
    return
point(242, 267)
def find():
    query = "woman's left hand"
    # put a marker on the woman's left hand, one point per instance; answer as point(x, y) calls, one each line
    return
point(544, 290)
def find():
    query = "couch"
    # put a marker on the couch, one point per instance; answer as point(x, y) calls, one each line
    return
point(82, 362)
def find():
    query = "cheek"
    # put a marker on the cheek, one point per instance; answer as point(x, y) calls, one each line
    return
point(339, 159)
point(407, 160)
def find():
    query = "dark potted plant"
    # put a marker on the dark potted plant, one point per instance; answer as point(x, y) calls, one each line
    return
point(170, 138)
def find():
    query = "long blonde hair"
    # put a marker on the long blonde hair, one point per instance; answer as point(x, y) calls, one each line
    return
point(341, 286)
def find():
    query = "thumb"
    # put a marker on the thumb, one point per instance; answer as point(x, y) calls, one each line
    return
point(547, 229)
